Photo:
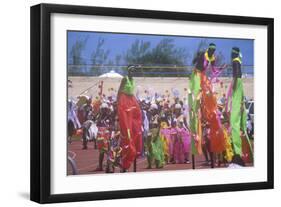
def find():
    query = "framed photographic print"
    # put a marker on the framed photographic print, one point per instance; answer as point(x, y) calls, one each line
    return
point(133, 103)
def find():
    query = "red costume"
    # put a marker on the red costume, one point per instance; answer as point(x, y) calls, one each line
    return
point(103, 138)
point(130, 120)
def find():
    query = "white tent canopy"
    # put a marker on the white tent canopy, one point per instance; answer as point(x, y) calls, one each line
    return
point(111, 74)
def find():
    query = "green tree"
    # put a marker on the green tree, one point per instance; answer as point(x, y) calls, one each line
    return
point(76, 55)
point(166, 52)
point(118, 59)
point(138, 52)
point(99, 57)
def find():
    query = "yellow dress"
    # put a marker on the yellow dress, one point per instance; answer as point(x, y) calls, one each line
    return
point(165, 139)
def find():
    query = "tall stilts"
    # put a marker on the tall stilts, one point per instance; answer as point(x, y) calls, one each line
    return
point(212, 159)
point(193, 161)
point(135, 165)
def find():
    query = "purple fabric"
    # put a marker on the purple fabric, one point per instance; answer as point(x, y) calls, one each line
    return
point(173, 136)
point(185, 135)
point(178, 151)
point(215, 71)
point(181, 144)
point(166, 132)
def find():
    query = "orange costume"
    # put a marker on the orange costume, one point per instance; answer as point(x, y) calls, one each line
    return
point(203, 104)
point(210, 114)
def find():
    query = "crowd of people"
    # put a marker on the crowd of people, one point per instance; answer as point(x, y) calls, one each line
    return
point(168, 129)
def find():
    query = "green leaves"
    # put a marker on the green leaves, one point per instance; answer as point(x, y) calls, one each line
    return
point(165, 52)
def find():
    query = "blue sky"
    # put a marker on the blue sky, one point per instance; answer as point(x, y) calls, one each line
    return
point(118, 43)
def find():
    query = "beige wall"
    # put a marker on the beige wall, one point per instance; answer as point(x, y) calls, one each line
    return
point(160, 85)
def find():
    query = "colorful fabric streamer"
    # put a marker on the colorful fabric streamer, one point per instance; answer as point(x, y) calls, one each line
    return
point(228, 146)
point(210, 115)
point(194, 111)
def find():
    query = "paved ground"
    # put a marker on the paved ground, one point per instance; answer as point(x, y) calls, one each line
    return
point(87, 161)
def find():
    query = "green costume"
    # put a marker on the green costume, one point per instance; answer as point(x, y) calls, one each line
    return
point(238, 116)
point(155, 149)
point(194, 104)
point(129, 86)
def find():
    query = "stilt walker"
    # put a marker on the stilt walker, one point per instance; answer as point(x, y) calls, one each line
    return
point(238, 115)
point(130, 120)
point(194, 109)
point(203, 103)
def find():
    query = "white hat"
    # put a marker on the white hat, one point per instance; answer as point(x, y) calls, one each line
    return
point(104, 105)
point(111, 108)
point(153, 106)
point(159, 99)
point(177, 106)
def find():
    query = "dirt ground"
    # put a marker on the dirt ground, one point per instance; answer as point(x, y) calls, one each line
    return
point(87, 161)
point(159, 85)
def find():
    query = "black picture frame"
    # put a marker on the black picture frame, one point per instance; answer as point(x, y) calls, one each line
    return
point(41, 98)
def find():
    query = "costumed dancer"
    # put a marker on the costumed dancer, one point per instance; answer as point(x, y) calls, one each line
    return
point(238, 115)
point(182, 144)
point(209, 107)
point(84, 107)
point(90, 131)
point(114, 155)
point(145, 126)
point(154, 145)
point(73, 123)
point(88, 122)
point(166, 139)
point(165, 132)
point(182, 132)
point(173, 137)
point(104, 133)
point(130, 120)
point(194, 97)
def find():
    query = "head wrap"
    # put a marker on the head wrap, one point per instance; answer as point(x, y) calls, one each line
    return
point(236, 51)
point(212, 46)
